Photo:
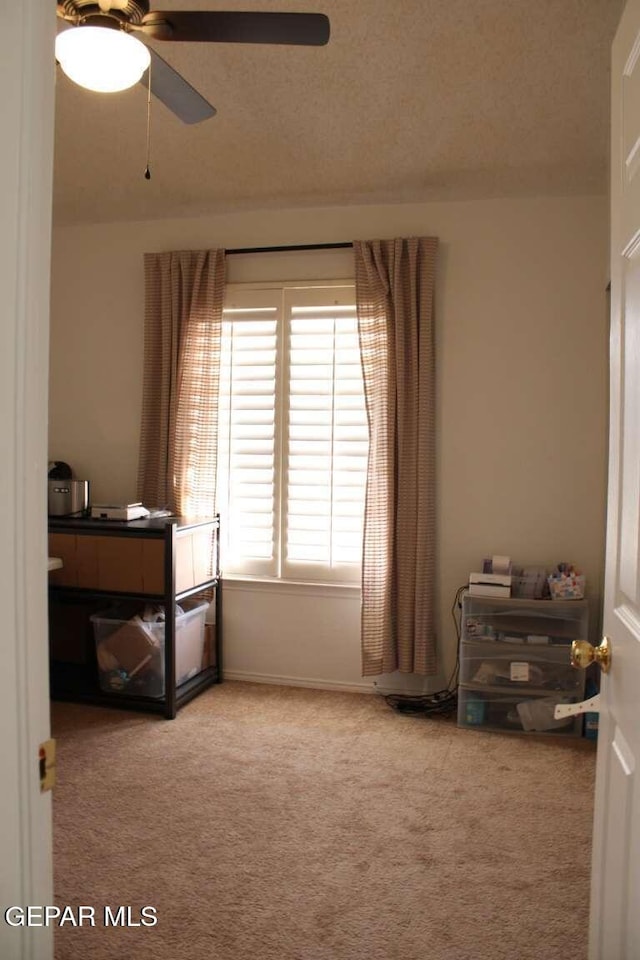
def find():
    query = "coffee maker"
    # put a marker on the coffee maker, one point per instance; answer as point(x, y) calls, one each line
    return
point(67, 497)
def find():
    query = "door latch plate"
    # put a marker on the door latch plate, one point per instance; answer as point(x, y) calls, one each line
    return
point(47, 765)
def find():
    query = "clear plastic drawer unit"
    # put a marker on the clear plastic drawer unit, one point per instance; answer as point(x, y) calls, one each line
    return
point(515, 664)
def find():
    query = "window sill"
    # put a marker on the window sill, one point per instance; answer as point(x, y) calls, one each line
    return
point(345, 591)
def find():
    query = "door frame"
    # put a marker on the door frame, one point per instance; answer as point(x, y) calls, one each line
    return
point(27, 75)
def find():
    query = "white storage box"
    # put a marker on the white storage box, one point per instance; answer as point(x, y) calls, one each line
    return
point(130, 650)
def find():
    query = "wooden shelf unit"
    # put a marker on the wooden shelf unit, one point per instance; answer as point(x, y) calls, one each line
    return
point(163, 560)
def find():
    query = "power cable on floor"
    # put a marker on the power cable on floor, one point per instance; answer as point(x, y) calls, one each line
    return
point(443, 702)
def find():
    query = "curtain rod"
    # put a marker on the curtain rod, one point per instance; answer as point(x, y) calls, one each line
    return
point(300, 246)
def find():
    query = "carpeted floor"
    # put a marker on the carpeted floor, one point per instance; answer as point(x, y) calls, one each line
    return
point(286, 824)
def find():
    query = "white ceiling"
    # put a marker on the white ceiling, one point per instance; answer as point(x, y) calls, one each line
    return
point(411, 100)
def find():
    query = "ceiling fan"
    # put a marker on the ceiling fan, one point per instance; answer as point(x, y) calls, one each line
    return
point(88, 27)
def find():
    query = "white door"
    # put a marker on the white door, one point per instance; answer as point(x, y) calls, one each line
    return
point(615, 893)
point(26, 115)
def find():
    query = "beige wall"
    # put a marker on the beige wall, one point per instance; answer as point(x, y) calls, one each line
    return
point(522, 390)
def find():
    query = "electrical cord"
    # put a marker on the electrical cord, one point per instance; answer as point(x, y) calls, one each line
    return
point(443, 702)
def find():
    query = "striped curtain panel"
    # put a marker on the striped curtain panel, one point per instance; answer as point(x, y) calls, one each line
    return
point(184, 294)
point(394, 294)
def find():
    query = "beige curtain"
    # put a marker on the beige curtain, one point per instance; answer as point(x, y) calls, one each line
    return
point(183, 321)
point(394, 293)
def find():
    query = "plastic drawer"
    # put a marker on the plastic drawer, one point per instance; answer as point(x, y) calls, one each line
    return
point(557, 622)
point(507, 712)
point(542, 667)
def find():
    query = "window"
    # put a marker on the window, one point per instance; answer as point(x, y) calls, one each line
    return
point(293, 439)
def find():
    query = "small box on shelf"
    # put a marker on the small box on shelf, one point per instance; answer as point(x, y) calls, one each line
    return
point(566, 583)
point(567, 588)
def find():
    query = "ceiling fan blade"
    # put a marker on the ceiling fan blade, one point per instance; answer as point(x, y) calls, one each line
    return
point(176, 94)
point(307, 29)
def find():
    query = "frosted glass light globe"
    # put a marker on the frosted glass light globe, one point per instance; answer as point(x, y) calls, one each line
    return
point(101, 59)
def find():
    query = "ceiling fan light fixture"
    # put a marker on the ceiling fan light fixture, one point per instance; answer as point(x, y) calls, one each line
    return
point(101, 59)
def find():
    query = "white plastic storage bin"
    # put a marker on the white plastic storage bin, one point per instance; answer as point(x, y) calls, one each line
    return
point(130, 651)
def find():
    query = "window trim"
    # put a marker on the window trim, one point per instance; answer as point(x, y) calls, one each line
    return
point(311, 588)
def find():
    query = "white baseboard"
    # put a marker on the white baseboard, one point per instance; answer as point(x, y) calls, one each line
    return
point(311, 683)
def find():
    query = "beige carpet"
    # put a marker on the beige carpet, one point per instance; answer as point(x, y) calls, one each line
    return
point(285, 824)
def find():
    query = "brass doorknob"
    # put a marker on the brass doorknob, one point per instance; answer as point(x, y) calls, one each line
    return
point(584, 653)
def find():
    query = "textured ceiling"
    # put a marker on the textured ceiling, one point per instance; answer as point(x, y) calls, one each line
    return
point(411, 100)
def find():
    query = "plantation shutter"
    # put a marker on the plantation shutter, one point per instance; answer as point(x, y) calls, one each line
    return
point(293, 436)
point(326, 437)
point(247, 432)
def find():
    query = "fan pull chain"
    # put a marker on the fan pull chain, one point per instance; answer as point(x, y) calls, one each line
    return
point(147, 171)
